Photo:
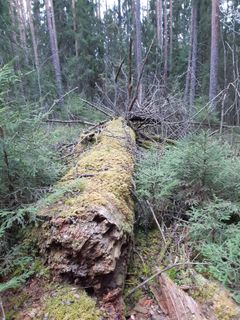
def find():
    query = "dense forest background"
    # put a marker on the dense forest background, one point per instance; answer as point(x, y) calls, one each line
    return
point(169, 68)
point(59, 46)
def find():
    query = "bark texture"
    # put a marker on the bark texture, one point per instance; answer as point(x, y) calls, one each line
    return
point(138, 44)
point(190, 86)
point(35, 48)
point(54, 47)
point(159, 23)
point(88, 234)
point(214, 54)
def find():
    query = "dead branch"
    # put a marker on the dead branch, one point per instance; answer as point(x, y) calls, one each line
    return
point(158, 273)
point(157, 223)
point(119, 70)
point(61, 98)
point(140, 77)
point(107, 113)
point(78, 121)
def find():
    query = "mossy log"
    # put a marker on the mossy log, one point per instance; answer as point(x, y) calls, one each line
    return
point(88, 233)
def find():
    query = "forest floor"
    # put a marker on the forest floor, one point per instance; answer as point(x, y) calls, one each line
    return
point(150, 253)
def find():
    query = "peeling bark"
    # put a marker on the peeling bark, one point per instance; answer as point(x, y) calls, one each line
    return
point(87, 237)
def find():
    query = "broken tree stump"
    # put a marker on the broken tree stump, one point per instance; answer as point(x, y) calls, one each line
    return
point(88, 233)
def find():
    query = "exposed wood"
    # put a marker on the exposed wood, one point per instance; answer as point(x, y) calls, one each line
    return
point(88, 236)
point(175, 303)
point(158, 273)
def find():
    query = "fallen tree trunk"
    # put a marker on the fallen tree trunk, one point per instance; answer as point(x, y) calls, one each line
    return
point(88, 232)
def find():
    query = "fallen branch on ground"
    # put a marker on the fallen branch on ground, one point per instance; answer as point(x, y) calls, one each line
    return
point(78, 121)
point(160, 272)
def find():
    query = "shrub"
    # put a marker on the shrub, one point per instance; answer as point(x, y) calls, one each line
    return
point(27, 163)
point(215, 234)
point(200, 178)
point(189, 173)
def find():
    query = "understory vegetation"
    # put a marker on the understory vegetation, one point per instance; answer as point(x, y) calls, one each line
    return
point(33, 156)
point(197, 182)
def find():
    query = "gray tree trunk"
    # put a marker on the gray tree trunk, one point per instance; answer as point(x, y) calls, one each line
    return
point(54, 47)
point(34, 43)
point(189, 66)
point(138, 44)
point(165, 72)
point(194, 59)
point(171, 33)
point(159, 23)
point(21, 19)
point(214, 55)
point(75, 27)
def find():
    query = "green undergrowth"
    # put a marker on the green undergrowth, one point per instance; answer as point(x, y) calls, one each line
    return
point(197, 182)
point(143, 263)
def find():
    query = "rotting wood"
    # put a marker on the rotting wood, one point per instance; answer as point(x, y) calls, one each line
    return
point(175, 303)
point(88, 235)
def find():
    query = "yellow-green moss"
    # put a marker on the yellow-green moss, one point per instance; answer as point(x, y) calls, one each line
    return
point(213, 294)
point(105, 171)
point(68, 303)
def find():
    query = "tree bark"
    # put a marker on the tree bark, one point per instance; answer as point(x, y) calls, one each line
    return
point(89, 231)
point(214, 55)
point(54, 47)
point(75, 27)
point(194, 59)
point(165, 71)
point(21, 17)
point(35, 49)
point(171, 34)
point(159, 23)
point(190, 56)
point(138, 44)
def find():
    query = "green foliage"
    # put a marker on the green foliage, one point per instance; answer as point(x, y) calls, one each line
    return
point(27, 163)
point(194, 170)
point(215, 233)
point(200, 178)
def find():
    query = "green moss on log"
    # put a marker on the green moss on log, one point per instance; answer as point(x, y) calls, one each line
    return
point(105, 171)
point(67, 303)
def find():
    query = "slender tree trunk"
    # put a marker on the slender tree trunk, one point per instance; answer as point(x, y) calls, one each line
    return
point(171, 34)
point(165, 71)
point(14, 35)
point(21, 17)
point(75, 27)
point(35, 49)
point(138, 44)
point(194, 58)
point(214, 55)
point(54, 47)
point(119, 13)
point(159, 23)
point(189, 66)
